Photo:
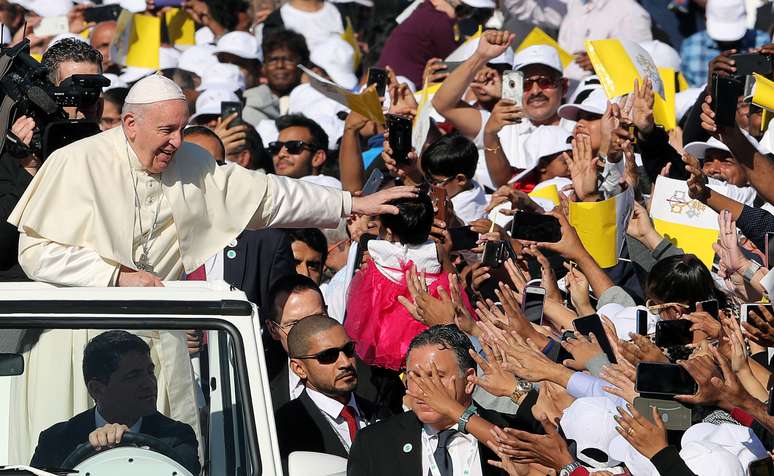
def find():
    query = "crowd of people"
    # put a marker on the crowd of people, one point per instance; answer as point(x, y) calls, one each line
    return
point(426, 309)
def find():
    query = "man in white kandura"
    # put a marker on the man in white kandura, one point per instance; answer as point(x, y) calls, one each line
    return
point(134, 206)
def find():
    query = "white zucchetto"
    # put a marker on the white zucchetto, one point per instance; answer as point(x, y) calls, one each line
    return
point(154, 88)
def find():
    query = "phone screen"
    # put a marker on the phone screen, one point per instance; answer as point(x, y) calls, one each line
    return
point(673, 333)
point(593, 325)
point(642, 322)
point(749, 63)
point(536, 227)
point(710, 306)
point(664, 379)
point(534, 298)
point(102, 13)
point(463, 238)
point(761, 467)
point(373, 183)
point(400, 137)
point(378, 77)
point(228, 108)
point(493, 251)
point(725, 92)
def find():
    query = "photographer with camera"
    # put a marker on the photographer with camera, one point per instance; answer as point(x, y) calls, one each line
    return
point(63, 60)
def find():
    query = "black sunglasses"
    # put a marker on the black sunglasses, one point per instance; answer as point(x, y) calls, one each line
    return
point(293, 147)
point(543, 82)
point(329, 356)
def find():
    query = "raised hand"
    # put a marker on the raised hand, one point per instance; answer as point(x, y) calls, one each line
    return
point(645, 436)
point(549, 450)
point(641, 349)
point(426, 309)
point(504, 114)
point(493, 43)
point(697, 182)
point(426, 386)
point(583, 349)
point(621, 379)
point(496, 380)
point(760, 326)
point(583, 168)
point(642, 107)
point(378, 203)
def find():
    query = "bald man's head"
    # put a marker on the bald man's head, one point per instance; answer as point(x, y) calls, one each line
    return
point(304, 332)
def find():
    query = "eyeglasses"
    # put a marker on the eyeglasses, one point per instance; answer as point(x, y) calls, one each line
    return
point(285, 328)
point(543, 82)
point(656, 309)
point(292, 146)
point(329, 356)
point(438, 182)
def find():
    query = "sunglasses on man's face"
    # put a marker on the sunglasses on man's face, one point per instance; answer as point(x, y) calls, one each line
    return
point(543, 82)
point(329, 356)
point(292, 146)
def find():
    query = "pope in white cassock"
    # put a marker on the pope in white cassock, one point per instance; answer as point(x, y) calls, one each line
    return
point(134, 206)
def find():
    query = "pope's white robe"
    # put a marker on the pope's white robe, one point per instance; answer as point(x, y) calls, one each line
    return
point(78, 222)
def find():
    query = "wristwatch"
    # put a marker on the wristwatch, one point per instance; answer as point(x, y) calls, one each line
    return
point(462, 423)
point(749, 272)
point(567, 470)
point(522, 388)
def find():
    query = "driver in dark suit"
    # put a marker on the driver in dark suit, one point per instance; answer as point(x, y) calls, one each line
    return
point(120, 377)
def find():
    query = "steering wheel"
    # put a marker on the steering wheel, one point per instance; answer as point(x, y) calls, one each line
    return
point(85, 451)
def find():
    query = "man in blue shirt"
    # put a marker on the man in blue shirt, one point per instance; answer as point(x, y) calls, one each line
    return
point(726, 30)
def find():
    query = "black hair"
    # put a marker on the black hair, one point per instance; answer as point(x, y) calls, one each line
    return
point(414, 220)
point(69, 49)
point(450, 155)
point(261, 159)
point(292, 41)
point(319, 137)
point(313, 238)
point(117, 96)
point(446, 337)
point(284, 287)
point(196, 130)
point(301, 333)
point(682, 278)
point(104, 352)
point(225, 12)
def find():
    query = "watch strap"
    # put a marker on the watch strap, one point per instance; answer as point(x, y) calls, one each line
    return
point(751, 270)
point(462, 423)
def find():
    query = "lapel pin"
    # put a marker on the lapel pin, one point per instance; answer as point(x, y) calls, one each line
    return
point(407, 448)
point(231, 254)
point(232, 243)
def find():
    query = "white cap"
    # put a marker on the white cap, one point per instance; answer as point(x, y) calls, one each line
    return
point(63, 36)
point(466, 50)
point(46, 8)
point(636, 463)
point(538, 54)
point(709, 459)
point(154, 88)
point(365, 3)
point(134, 6)
point(480, 3)
point(589, 421)
point(239, 43)
point(222, 76)
point(684, 100)
point(663, 55)
point(738, 440)
point(135, 73)
point(204, 36)
point(595, 103)
point(324, 180)
point(699, 149)
point(306, 100)
point(726, 19)
point(168, 58)
point(586, 85)
point(209, 101)
point(337, 58)
point(542, 142)
point(197, 59)
point(115, 82)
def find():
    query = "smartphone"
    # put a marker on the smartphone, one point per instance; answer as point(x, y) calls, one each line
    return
point(535, 227)
point(378, 77)
point(725, 92)
point(745, 310)
point(493, 252)
point(664, 379)
point(52, 26)
point(674, 414)
point(513, 87)
point(593, 325)
point(227, 108)
point(373, 183)
point(400, 137)
point(749, 63)
point(761, 467)
point(439, 196)
point(673, 333)
point(532, 303)
point(769, 249)
point(102, 13)
point(463, 238)
point(642, 322)
point(167, 3)
point(362, 247)
point(710, 306)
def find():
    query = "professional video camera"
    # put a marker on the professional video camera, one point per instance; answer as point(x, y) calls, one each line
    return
point(26, 91)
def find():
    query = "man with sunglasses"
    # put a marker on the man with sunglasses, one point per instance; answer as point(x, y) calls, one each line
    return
point(301, 148)
point(328, 415)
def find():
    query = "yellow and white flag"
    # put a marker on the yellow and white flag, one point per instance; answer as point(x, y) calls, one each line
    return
point(422, 123)
point(180, 26)
point(137, 40)
point(350, 37)
point(366, 103)
point(539, 37)
point(761, 91)
point(687, 223)
point(601, 226)
point(618, 63)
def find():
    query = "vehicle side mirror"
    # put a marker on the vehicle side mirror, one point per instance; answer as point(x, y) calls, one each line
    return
point(11, 365)
point(307, 463)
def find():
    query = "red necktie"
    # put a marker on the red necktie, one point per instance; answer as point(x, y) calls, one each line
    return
point(350, 416)
point(199, 274)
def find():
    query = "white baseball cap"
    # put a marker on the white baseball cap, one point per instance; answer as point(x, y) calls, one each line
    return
point(589, 421)
point(466, 50)
point(337, 58)
point(699, 149)
point(684, 101)
point(239, 43)
point(135, 73)
point(542, 142)
point(222, 76)
point(710, 459)
point(595, 103)
point(168, 57)
point(115, 82)
point(46, 8)
point(726, 19)
point(197, 59)
point(738, 440)
point(365, 3)
point(208, 102)
point(663, 55)
point(538, 54)
point(480, 3)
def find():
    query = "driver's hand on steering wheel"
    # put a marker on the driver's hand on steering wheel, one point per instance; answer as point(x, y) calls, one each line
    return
point(107, 436)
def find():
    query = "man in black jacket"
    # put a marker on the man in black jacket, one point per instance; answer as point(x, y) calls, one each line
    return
point(120, 378)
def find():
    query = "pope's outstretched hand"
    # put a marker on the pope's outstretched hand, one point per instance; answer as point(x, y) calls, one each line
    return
point(377, 203)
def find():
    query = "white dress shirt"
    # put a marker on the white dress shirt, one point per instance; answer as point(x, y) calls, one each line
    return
point(470, 205)
point(295, 385)
point(99, 422)
point(462, 447)
point(331, 409)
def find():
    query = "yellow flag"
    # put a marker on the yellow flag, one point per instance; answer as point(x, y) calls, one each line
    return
point(539, 37)
point(180, 26)
point(366, 103)
point(38, 57)
point(763, 92)
point(144, 42)
point(550, 193)
point(682, 83)
point(692, 240)
point(350, 37)
point(664, 108)
point(601, 226)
